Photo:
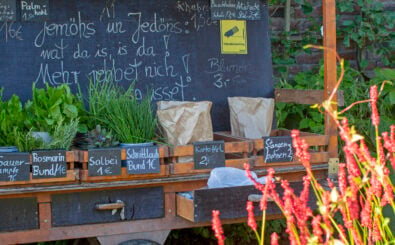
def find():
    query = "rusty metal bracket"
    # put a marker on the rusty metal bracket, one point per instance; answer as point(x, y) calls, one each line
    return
point(333, 168)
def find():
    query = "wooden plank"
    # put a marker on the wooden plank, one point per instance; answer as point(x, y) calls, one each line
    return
point(185, 208)
point(166, 182)
point(71, 176)
point(164, 172)
point(330, 70)
point(303, 96)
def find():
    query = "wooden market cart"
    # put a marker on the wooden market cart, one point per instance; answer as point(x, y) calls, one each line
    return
point(131, 207)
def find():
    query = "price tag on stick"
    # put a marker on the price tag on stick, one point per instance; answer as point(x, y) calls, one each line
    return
point(209, 154)
point(104, 162)
point(278, 149)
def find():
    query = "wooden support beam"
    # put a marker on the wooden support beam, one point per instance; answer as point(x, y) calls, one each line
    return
point(304, 96)
point(330, 69)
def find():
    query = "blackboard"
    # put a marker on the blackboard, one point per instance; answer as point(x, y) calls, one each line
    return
point(14, 166)
point(7, 10)
point(173, 45)
point(142, 159)
point(209, 154)
point(104, 162)
point(34, 10)
point(235, 9)
point(277, 149)
point(49, 164)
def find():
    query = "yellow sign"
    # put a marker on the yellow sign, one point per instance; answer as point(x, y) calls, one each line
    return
point(233, 37)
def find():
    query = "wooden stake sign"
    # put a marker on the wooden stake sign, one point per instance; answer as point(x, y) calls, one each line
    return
point(209, 154)
point(142, 159)
point(104, 162)
point(49, 164)
point(277, 149)
point(14, 166)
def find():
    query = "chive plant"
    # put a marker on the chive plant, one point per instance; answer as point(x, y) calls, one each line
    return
point(131, 120)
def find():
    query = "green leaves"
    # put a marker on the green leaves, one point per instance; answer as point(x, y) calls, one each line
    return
point(50, 106)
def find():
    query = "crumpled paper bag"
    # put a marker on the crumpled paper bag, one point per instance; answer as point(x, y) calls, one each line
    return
point(251, 118)
point(185, 122)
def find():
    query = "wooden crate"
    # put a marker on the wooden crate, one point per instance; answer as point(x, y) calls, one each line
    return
point(317, 143)
point(237, 152)
point(230, 201)
point(83, 157)
point(72, 175)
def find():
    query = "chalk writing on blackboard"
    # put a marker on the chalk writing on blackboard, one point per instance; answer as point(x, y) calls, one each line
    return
point(7, 10)
point(209, 154)
point(34, 10)
point(278, 149)
point(143, 159)
point(14, 166)
point(235, 9)
point(104, 162)
point(49, 164)
point(164, 48)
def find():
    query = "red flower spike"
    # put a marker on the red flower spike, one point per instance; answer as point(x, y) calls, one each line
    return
point(317, 227)
point(274, 239)
point(342, 179)
point(330, 183)
point(217, 227)
point(376, 232)
point(381, 150)
point(373, 102)
point(251, 218)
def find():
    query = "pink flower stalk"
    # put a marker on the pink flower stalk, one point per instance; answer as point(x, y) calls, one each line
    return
point(301, 150)
point(373, 102)
point(304, 195)
point(381, 150)
point(330, 183)
point(389, 144)
point(217, 227)
point(376, 186)
point(317, 231)
point(342, 179)
point(366, 154)
point(352, 165)
point(274, 239)
point(265, 189)
point(325, 214)
point(376, 232)
point(367, 211)
point(251, 218)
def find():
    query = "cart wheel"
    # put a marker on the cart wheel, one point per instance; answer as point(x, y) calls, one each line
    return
point(139, 242)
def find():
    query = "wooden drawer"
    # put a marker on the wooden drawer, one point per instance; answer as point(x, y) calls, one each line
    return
point(18, 214)
point(230, 201)
point(107, 206)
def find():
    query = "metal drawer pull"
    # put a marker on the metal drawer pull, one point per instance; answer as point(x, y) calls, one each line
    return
point(257, 198)
point(110, 206)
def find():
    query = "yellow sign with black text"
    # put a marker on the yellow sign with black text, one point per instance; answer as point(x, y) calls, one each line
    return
point(233, 37)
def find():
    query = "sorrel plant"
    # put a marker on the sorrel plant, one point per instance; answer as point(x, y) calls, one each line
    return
point(364, 188)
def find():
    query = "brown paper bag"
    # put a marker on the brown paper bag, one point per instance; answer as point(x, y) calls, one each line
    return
point(185, 122)
point(251, 117)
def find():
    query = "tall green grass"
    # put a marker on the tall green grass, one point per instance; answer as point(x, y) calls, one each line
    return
point(117, 109)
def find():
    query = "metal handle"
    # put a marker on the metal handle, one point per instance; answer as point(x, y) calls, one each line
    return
point(257, 198)
point(110, 206)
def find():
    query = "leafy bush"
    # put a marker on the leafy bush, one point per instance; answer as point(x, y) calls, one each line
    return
point(354, 88)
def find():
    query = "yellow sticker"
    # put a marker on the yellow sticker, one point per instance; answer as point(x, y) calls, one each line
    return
point(233, 37)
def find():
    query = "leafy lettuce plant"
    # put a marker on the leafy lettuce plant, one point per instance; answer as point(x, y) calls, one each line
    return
point(12, 117)
point(50, 106)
